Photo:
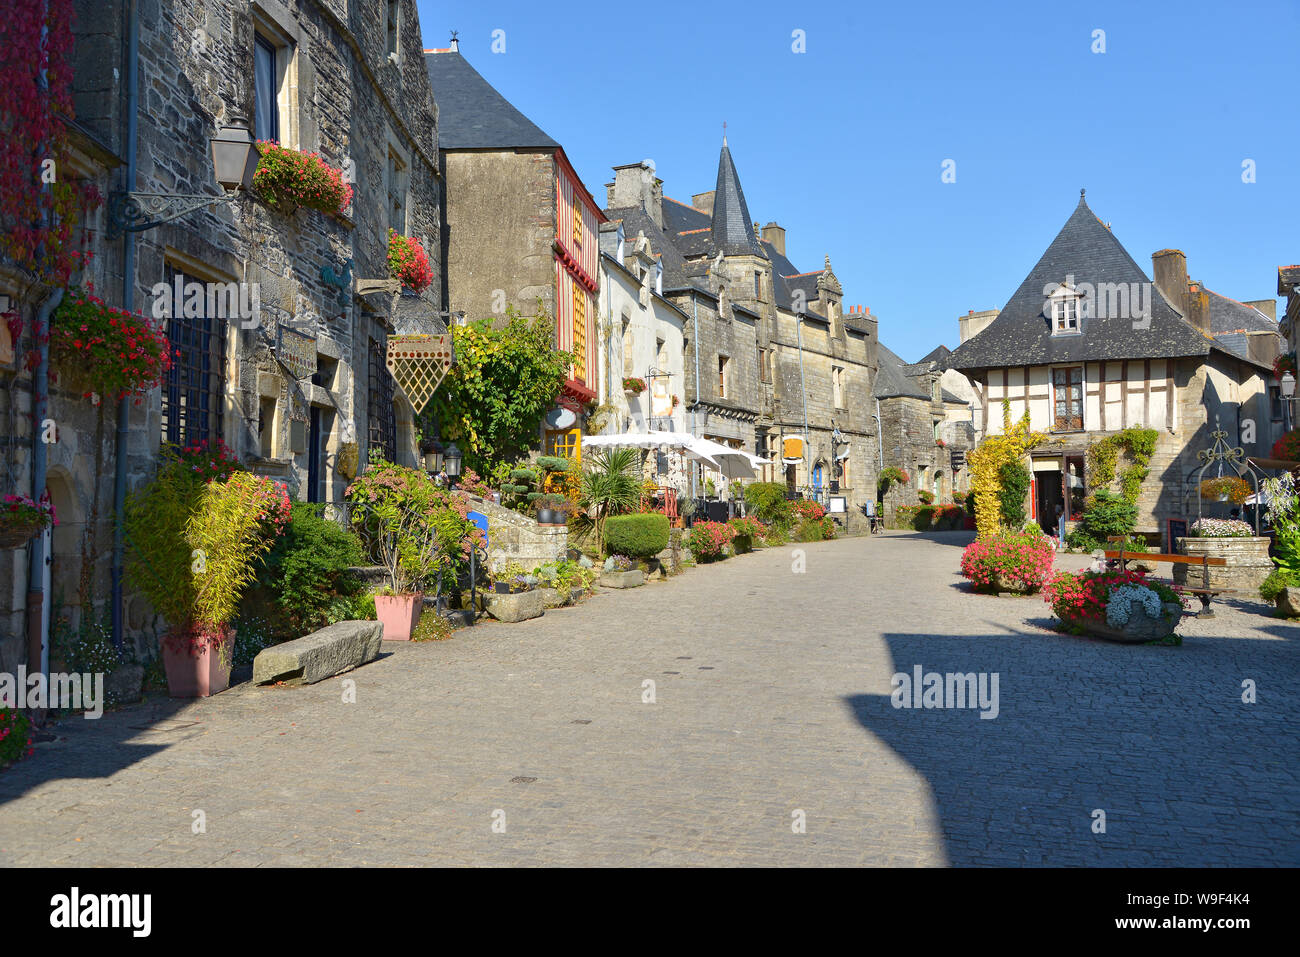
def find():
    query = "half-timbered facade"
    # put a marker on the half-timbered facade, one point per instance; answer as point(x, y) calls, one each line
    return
point(1089, 346)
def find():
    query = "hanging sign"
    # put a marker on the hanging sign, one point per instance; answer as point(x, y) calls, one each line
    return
point(296, 351)
point(418, 365)
point(661, 401)
point(792, 450)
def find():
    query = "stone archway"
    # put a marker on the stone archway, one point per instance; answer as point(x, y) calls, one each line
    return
point(66, 541)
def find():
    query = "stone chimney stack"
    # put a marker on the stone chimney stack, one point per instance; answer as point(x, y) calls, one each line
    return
point(1169, 267)
point(703, 202)
point(1267, 306)
point(775, 235)
point(636, 185)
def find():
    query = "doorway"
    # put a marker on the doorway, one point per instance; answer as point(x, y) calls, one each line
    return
point(1050, 500)
point(314, 456)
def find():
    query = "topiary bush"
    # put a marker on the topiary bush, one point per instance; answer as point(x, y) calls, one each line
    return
point(643, 535)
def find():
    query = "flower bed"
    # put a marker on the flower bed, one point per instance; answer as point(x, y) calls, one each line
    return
point(106, 351)
point(1121, 605)
point(21, 519)
point(408, 262)
point(1011, 562)
point(286, 179)
point(709, 541)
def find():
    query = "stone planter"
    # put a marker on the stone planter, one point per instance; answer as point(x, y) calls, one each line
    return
point(1247, 565)
point(517, 607)
point(1002, 584)
point(628, 579)
point(1140, 627)
point(398, 614)
point(1288, 602)
point(743, 544)
point(554, 598)
point(124, 684)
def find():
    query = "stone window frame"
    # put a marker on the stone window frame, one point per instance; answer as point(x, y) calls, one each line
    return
point(392, 13)
point(837, 387)
point(397, 179)
point(724, 377)
point(273, 23)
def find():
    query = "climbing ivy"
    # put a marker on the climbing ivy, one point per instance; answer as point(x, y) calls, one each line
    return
point(1103, 459)
point(986, 463)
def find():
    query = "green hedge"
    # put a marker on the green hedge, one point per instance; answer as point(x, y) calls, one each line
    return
point(643, 535)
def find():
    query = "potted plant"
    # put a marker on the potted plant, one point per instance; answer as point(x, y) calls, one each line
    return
point(286, 179)
point(21, 519)
point(196, 533)
point(105, 351)
point(1017, 562)
point(1120, 605)
point(420, 532)
point(512, 578)
point(633, 385)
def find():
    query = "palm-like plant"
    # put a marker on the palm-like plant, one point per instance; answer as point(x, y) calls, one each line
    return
point(611, 485)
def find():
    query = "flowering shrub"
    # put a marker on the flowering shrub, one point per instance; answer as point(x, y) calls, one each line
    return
point(1127, 599)
point(15, 735)
point(1283, 513)
point(631, 384)
point(1287, 448)
point(1019, 562)
point(748, 526)
point(1220, 528)
point(1087, 595)
point(1283, 364)
point(1236, 489)
point(108, 351)
point(709, 540)
point(408, 261)
point(471, 483)
point(287, 179)
point(806, 508)
point(948, 517)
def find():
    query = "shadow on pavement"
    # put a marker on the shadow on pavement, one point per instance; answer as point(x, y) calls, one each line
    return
point(1156, 737)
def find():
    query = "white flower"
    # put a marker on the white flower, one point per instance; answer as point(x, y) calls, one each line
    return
point(1119, 607)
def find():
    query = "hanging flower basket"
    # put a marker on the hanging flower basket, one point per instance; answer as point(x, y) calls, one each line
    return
point(1287, 448)
point(1283, 364)
point(287, 179)
point(22, 519)
point(105, 351)
point(418, 365)
point(633, 386)
point(408, 262)
point(1227, 488)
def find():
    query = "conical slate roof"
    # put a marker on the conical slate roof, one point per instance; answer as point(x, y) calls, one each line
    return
point(1088, 252)
point(732, 230)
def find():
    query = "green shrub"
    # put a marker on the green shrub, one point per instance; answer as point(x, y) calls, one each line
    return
point(810, 530)
point(307, 568)
point(1279, 579)
point(1013, 479)
point(523, 475)
point(358, 607)
point(552, 463)
point(15, 735)
point(923, 518)
point(766, 501)
point(1080, 540)
point(1108, 513)
point(643, 535)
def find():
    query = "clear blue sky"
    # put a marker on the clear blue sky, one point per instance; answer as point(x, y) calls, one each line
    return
point(844, 144)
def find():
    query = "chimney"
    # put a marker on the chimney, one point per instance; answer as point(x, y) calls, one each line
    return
point(455, 44)
point(703, 202)
point(1267, 306)
point(635, 185)
point(775, 236)
point(1169, 267)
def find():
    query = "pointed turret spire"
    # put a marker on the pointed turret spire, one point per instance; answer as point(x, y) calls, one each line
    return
point(733, 230)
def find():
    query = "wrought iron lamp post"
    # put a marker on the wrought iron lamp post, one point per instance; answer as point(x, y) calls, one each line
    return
point(452, 459)
point(234, 160)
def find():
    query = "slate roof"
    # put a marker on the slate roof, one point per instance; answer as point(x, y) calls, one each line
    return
point(472, 115)
point(733, 229)
point(1088, 251)
point(1229, 315)
point(676, 275)
point(939, 355)
point(1288, 277)
point(891, 380)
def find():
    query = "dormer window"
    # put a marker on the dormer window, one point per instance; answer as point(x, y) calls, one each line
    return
point(659, 279)
point(1065, 306)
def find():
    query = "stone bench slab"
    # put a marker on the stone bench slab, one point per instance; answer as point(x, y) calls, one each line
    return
point(322, 654)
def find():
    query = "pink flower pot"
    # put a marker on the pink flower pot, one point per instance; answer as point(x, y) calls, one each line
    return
point(398, 614)
point(197, 668)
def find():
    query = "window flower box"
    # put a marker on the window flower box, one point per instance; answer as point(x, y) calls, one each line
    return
point(408, 262)
point(633, 386)
point(104, 351)
point(287, 179)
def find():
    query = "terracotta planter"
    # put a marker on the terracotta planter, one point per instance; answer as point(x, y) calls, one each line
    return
point(197, 670)
point(398, 614)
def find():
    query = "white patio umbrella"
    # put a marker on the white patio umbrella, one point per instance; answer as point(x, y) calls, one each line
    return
point(732, 463)
point(669, 441)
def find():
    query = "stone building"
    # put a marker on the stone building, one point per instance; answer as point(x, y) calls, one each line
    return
point(773, 363)
point(519, 227)
point(926, 426)
point(289, 369)
point(1090, 346)
point(1288, 285)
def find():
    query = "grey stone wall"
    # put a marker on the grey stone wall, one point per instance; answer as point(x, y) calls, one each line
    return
point(514, 537)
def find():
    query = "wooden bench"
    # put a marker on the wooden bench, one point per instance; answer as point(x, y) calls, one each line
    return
point(1205, 594)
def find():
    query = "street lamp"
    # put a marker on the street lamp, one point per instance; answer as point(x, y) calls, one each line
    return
point(234, 160)
point(434, 457)
point(1288, 385)
point(452, 458)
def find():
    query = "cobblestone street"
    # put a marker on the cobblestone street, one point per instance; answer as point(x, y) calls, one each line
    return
point(771, 698)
